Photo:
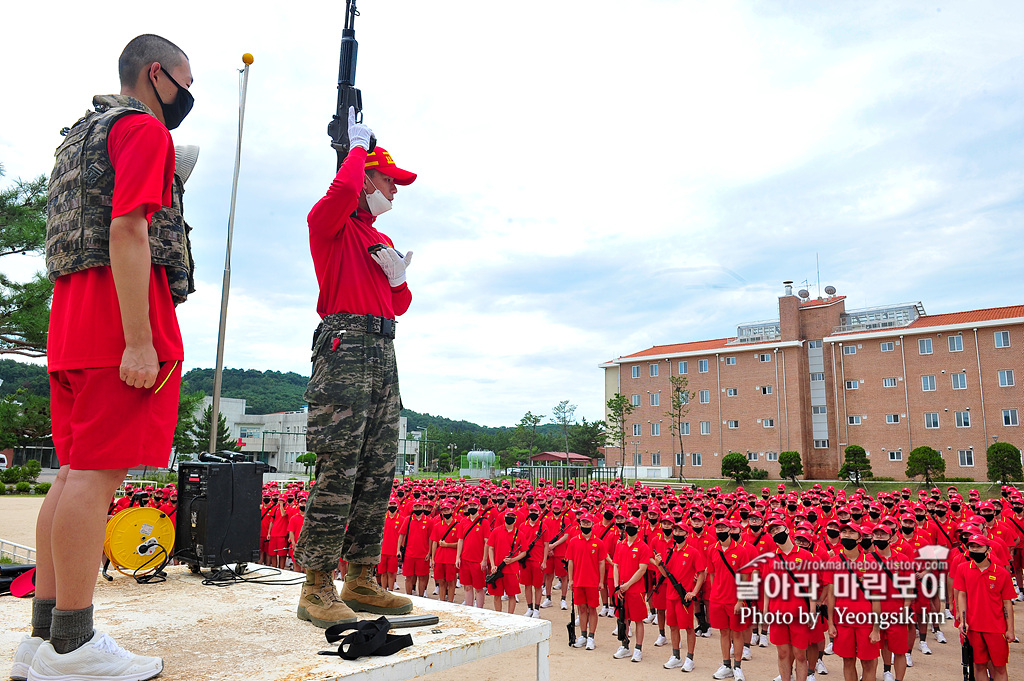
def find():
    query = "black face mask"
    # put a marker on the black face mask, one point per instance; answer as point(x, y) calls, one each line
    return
point(780, 538)
point(941, 514)
point(849, 543)
point(907, 530)
point(920, 518)
point(988, 517)
point(755, 528)
point(634, 514)
point(832, 533)
point(631, 530)
point(509, 519)
point(266, 500)
point(392, 509)
point(735, 536)
point(744, 514)
point(812, 516)
point(875, 516)
point(175, 112)
point(698, 529)
point(888, 505)
point(764, 496)
point(707, 514)
point(419, 512)
point(679, 538)
point(415, 495)
point(534, 516)
point(978, 556)
point(865, 543)
point(620, 525)
point(826, 508)
point(446, 516)
point(881, 544)
point(964, 538)
point(719, 516)
point(722, 536)
point(484, 500)
point(643, 507)
point(905, 496)
point(791, 508)
point(608, 515)
point(856, 517)
point(667, 530)
point(472, 511)
point(1018, 509)
point(955, 508)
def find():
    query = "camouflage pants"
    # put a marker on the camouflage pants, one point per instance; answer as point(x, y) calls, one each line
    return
point(354, 406)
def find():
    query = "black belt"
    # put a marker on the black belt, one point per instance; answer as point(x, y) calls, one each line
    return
point(381, 326)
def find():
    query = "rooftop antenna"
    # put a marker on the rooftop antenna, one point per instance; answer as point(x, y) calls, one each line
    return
point(817, 266)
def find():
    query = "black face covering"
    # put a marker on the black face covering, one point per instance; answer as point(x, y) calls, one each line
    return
point(392, 508)
point(881, 544)
point(472, 511)
point(175, 112)
point(620, 525)
point(419, 512)
point(955, 508)
point(848, 543)
point(446, 516)
point(608, 515)
point(812, 516)
point(416, 495)
point(698, 529)
point(722, 536)
point(826, 508)
point(631, 530)
point(856, 517)
point(735, 536)
point(920, 518)
point(534, 516)
point(509, 519)
point(941, 514)
point(875, 516)
point(865, 543)
point(791, 508)
point(744, 514)
point(907, 530)
point(719, 516)
point(679, 538)
point(832, 533)
point(755, 528)
point(978, 556)
point(780, 538)
point(988, 517)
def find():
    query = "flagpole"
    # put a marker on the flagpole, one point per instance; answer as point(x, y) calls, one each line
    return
point(247, 59)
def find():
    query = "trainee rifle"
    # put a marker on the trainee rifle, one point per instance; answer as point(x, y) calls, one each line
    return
point(571, 626)
point(622, 627)
point(493, 578)
point(348, 94)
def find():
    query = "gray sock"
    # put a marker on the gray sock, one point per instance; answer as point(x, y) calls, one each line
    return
point(71, 629)
point(42, 615)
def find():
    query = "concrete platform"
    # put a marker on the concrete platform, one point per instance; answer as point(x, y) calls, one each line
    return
point(250, 631)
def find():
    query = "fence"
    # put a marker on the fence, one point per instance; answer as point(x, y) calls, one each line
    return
point(24, 555)
point(579, 475)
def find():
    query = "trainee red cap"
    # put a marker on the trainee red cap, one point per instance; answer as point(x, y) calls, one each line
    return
point(979, 539)
point(379, 159)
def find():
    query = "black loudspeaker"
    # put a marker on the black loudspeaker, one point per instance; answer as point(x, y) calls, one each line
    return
point(218, 519)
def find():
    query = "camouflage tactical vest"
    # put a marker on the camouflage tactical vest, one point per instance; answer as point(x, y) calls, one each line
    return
point(81, 192)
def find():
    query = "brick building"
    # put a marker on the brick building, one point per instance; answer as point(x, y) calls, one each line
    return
point(819, 378)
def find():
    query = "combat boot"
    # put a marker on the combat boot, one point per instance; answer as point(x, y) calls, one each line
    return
point(320, 604)
point(362, 592)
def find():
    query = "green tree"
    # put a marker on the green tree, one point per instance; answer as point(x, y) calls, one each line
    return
point(856, 465)
point(184, 444)
point(32, 377)
point(586, 438)
point(200, 433)
point(926, 462)
point(1004, 463)
point(308, 460)
point(680, 408)
point(562, 416)
point(736, 466)
point(526, 431)
point(790, 465)
point(619, 409)
point(24, 306)
point(24, 419)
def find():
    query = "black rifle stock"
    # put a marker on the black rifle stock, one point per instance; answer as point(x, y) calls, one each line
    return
point(348, 94)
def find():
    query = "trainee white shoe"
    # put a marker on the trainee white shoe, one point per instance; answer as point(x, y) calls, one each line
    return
point(23, 657)
point(673, 663)
point(650, 619)
point(504, 597)
point(723, 673)
point(580, 642)
point(828, 648)
point(546, 603)
point(660, 642)
point(577, 620)
point(924, 648)
point(706, 634)
point(763, 643)
point(590, 644)
point(820, 668)
point(810, 677)
point(564, 606)
point(887, 676)
point(910, 660)
point(738, 675)
point(688, 665)
point(517, 598)
point(536, 614)
point(557, 584)
point(637, 655)
point(746, 653)
point(948, 614)
point(778, 678)
point(601, 610)
point(100, 658)
point(529, 612)
point(622, 653)
point(753, 639)
point(940, 637)
point(435, 591)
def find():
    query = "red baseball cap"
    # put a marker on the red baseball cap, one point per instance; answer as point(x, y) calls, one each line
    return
point(380, 160)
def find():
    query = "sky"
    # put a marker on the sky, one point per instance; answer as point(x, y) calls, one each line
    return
point(594, 177)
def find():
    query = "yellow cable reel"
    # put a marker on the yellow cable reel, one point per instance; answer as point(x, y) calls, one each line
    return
point(138, 539)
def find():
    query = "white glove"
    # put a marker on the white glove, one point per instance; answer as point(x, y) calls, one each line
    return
point(358, 134)
point(393, 264)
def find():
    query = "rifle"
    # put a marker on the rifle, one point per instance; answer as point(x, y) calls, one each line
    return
point(967, 658)
point(492, 579)
point(622, 627)
point(571, 626)
point(348, 94)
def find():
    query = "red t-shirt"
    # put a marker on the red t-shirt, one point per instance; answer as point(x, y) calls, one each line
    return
point(473, 532)
point(629, 558)
point(786, 594)
point(586, 556)
point(685, 563)
point(85, 317)
point(449, 533)
point(506, 543)
point(295, 525)
point(723, 587)
point(418, 543)
point(339, 233)
point(527, 533)
point(986, 590)
point(389, 542)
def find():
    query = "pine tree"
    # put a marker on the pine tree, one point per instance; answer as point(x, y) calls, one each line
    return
point(200, 434)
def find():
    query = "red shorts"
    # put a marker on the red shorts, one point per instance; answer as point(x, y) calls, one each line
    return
point(658, 598)
point(100, 423)
point(854, 642)
point(1017, 560)
point(721, 616)
point(677, 615)
point(795, 634)
point(555, 566)
point(897, 638)
point(388, 564)
point(471, 575)
point(530, 574)
point(988, 646)
point(507, 584)
point(586, 595)
point(278, 546)
point(416, 567)
point(635, 606)
point(444, 572)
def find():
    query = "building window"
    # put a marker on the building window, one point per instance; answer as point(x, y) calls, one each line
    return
point(817, 376)
point(764, 357)
point(731, 392)
point(768, 423)
point(963, 419)
point(1002, 339)
point(638, 459)
point(821, 444)
point(1010, 417)
point(636, 372)
point(680, 459)
point(730, 360)
point(895, 456)
point(684, 396)
point(853, 420)
point(814, 344)
point(684, 367)
point(966, 458)
point(655, 399)
point(892, 418)
point(771, 456)
point(733, 425)
point(1006, 378)
point(655, 429)
point(635, 399)
point(751, 456)
point(702, 366)
point(248, 431)
point(888, 346)
point(656, 459)
point(705, 396)
point(928, 383)
point(888, 382)
point(852, 385)
point(636, 430)
point(766, 390)
point(956, 343)
point(654, 370)
point(819, 410)
point(684, 428)
point(924, 346)
point(931, 419)
point(705, 427)
point(696, 459)
point(849, 349)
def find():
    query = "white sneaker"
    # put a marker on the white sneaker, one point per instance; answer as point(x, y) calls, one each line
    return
point(753, 639)
point(536, 614)
point(660, 642)
point(924, 648)
point(637, 655)
point(100, 658)
point(557, 584)
point(820, 668)
point(828, 648)
point(746, 653)
point(651, 619)
point(23, 657)
point(810, 676)
point(778, 678)
point(723, 673)
point(940, 637)
point(590, 643)
point(600, 611)
point(622, 653)
point(706, 634)
point(673, 663)
point(887, 676)
point(580, 642)
point(688, 665)
point(504, 597)
point(517, 598)
point(948, 614)
point(564, 606)
point(435, 588)
point(546, 603)
point(529, 611)
point(577, 620)
point(763, 643)
point(738, 675)
point(910, 660)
